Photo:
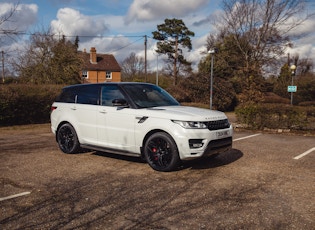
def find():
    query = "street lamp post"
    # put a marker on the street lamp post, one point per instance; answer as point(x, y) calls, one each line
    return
point(211, 52)
point(155, 53)
point(157, 70)
point(293, 68)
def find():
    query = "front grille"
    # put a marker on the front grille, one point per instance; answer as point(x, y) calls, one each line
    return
point(220, 124)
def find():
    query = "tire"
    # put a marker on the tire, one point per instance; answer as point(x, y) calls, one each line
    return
point(161, 153)
point(67, 139)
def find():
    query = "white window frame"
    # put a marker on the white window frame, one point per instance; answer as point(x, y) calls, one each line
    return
point(85, 74)
point(108, 75)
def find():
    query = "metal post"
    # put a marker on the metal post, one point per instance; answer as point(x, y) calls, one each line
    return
point(211, 79)
point(292, 85)
point(293, 68)
point(211, 52)
point(157, 69)
point(145, 58)
point(2, 59)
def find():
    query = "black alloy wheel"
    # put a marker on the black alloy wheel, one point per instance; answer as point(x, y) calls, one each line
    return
point(161, 152)
point(67, 139)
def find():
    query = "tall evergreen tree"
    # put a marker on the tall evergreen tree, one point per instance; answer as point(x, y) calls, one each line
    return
point(172, 36)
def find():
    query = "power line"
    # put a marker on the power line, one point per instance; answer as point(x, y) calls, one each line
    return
point(127, 45)
point(73, 36)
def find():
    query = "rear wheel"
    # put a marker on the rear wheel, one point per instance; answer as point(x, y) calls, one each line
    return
point(161, 152)
point(67, 139)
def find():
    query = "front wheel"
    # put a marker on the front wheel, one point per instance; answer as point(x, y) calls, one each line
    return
point(160, 151)
point(67, 139)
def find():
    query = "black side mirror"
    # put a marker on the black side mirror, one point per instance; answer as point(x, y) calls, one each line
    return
point(120, 102)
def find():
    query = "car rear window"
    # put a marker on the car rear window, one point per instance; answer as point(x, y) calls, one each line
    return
point(67, 95)
point(83, 94)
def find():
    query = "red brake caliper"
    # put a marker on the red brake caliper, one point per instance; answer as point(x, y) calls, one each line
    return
point(155, 155)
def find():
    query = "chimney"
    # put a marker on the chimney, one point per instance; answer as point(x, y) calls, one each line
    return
point(93, 59)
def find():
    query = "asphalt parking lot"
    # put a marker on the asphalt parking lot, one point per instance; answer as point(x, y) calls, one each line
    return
point(265, 182)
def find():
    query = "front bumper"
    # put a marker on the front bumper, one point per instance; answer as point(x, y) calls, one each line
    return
point(218, 146)
point(194, 143)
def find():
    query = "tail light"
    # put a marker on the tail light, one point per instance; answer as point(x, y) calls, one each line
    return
point(53, 108)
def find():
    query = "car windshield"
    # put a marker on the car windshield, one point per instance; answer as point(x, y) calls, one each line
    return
point(146, 95)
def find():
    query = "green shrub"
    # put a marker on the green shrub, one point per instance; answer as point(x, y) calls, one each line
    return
point(26, 104)
point(270, 97)
point(307, 103)
point(276, 116)
point(247, 114)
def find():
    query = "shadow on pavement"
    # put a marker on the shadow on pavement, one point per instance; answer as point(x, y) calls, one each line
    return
point(224, 158)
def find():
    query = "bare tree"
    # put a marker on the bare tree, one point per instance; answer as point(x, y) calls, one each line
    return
point(262, 28)
point(5, 18)
point(260, 31)
point(6, 31)
point(132, 67)
point(49, 61)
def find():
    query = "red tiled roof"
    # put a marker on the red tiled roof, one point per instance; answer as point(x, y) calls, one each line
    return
point(105, 62)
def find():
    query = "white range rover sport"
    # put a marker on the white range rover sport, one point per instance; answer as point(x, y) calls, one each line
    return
point(137, 119)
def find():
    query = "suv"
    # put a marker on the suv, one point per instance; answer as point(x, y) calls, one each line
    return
point(138, 119)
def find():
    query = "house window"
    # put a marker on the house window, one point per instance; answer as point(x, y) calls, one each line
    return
point(85, 74)
point(108, 75)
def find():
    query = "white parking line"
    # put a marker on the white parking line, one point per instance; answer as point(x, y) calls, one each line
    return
point(241, 138)
point(14, 196)
point(304, 154)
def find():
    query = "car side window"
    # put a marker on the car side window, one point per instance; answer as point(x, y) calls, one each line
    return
point(68, 95)
point(88, 94)
point(109, 93)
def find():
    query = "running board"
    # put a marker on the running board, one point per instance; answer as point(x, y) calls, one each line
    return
point(110, 150)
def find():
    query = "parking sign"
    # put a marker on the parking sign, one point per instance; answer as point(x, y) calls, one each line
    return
point(292, 88)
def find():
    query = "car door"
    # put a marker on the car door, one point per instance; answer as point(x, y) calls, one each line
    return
point(86, 109)
point(115, 123)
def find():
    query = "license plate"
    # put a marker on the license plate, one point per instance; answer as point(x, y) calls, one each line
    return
point(222, 134)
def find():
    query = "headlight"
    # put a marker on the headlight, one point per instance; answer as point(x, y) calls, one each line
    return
point(192, 124)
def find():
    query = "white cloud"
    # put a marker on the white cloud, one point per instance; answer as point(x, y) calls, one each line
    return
point(307, 26)
point(116, 25)
point(198, 52)
point(304, 37)
point(121, 47)
point(146, 10)
point(72, 22)
point(24, 16)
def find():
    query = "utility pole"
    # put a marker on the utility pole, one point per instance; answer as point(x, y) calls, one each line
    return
point(145, 57)
point(175, 61)
point(2, 59)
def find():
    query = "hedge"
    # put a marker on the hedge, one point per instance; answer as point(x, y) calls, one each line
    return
point(26, 104)
point(30, 104)
point(276, 116)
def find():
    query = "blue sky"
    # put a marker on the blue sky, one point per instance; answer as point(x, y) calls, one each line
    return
point(118, 26)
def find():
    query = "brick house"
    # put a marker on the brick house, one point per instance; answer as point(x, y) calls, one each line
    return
point(99, 67)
